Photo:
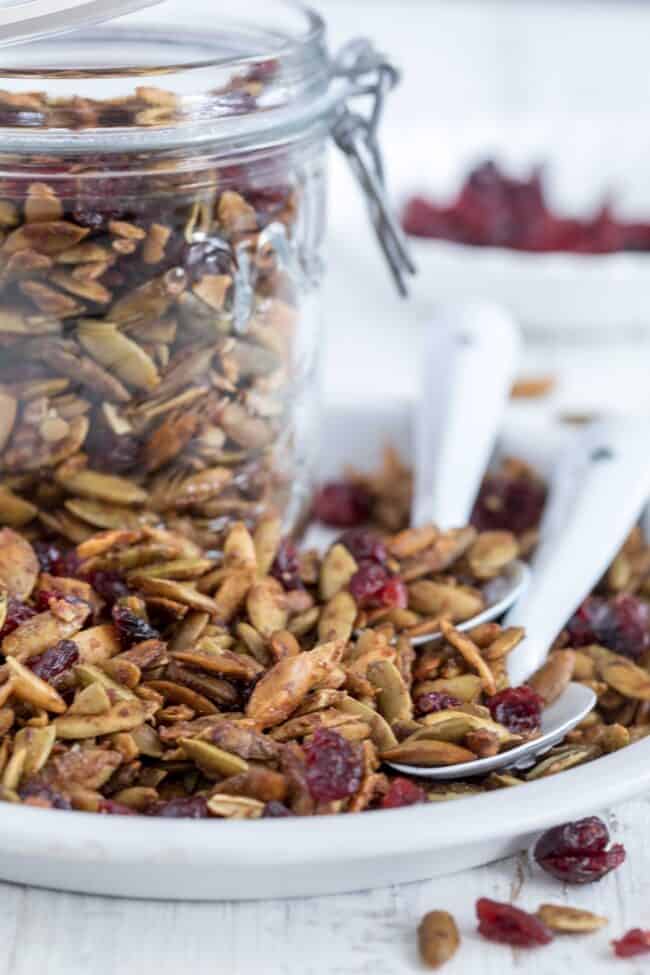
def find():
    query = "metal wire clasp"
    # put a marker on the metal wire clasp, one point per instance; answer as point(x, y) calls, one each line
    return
point(371, 75)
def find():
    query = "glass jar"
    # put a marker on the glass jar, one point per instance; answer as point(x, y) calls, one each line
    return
point(162, 211)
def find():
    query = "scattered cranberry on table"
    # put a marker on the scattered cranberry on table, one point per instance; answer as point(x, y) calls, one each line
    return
point(510, 925)
point(577, 853)
point(497, 210)
point(634, 942)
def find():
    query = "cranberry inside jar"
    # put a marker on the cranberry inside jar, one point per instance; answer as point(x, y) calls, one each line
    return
point(161, 223)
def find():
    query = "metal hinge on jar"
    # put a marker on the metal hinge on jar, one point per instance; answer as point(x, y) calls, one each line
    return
point(371, 76)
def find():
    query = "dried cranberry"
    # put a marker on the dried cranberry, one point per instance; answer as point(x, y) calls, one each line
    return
point(109, 807)
point(364, 545)
point(367, 584)
point(286, 565)
point(634, 942)
point(508, 504)
point(435, 701)
point(109, 585)
point(333, 766)
point(518, 708)
point(576, 852)
point(394, 593)
point(42, 600)
point(403, 792)
point(622, 624)
point(55, 560)
point(55, 660)
point(185, 807)
point(498, 210)
point(35, 792)
point(132, 628)
point(17, 613)
point(342, 505)
point(275, 810)
point(509, 925)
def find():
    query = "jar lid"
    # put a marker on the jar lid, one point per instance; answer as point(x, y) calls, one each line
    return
point(28, 20)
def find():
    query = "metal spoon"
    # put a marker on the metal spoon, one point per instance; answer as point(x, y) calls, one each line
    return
point(468, 365)
point(609, 472)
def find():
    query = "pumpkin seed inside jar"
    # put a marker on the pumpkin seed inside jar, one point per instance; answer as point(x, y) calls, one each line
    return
point(160, 235)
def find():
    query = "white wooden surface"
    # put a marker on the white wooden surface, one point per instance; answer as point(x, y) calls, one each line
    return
point(369, 933)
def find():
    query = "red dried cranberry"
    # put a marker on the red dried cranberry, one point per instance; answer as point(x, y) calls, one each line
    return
point(576, 852)
point(518, 708)
point(364, 545)
point(37, 793)
point(42, 600)
point(333, 766)
point(185, 807)
point(394, 594)
point(132, 628)
point(342, 505)
point(109, 807)
point(17, 613)
point(510, 926)
point(498, 210)
point(403, 792)
point(622, 624)
point(286, 565)
point(508, 504)
point(367, 584)
point(275, 810)
point(634, 942)
point(55, 560)
point(435, 701)
point(55, 660)
point(109, 585)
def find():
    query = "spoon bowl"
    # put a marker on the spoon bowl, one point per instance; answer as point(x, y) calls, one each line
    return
point(575, 703)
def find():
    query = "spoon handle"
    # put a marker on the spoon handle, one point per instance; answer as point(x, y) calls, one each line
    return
point(469, 359)
point(610, 471)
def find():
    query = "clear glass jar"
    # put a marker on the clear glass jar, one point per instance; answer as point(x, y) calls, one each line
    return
point(162, 204)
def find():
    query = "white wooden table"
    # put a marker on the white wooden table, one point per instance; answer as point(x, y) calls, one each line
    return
point(369, 933)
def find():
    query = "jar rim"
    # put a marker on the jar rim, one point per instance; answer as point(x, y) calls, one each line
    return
point(253, 75)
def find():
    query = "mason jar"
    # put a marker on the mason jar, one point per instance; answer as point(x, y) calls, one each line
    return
point(162, 214)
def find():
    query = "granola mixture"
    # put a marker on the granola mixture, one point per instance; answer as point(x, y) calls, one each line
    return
point(142, 675)
point(154, 349)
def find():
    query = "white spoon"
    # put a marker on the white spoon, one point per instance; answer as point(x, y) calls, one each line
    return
point(581, 533)
point(469, 359)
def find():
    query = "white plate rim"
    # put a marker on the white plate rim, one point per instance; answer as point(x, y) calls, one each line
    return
point(89, 837)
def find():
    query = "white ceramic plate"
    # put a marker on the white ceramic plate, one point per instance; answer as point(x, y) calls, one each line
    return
point(199, 860)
